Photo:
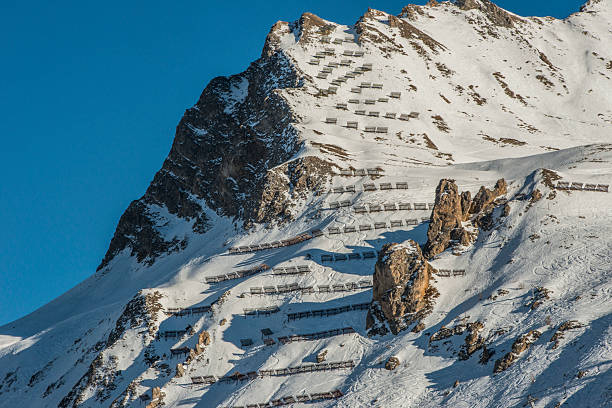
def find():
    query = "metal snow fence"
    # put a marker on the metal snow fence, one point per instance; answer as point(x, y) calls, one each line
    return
point(336, 82)
point(414, 115)
point(333, 230)
point(341, 79)
point(386, 186)
point(374, 114)
point(349, 189)
point(354, 256)
point(316, 336)
point(365, 228)
point(326, 258)
point(374, 172)
point(396, 223)
point(171, 334)
point(382, 129)
point(332, 89)
point(375, 208)
point(369, 254)
point(431, 205)
point(360, 172)
point(420, 206)
point(264, 311)
point(390, 115)
point(347, 53)
point(256, 291)
point(412, 222)
point(369, 102)
point(332, 64)
point(603, 187)
point(327, 312)
point(345, 203)
point(401, 185)
point(444, 272)
point(326, 70)
point(348, 230)
point(345, 62)
point(321, 76)
point(316, 233)
point(365, 85)
point(358, 54)
point(325, 39)
point(357, 71)
point(356, 90)
point(562, 185)
point(338, 190)
point(323, 288)
point(360, 112)
point(329, 51)
point(366, 67)
point(458, 272)
point(320, 54)
point(395, 95)
point(353, 101)
point(246, 342)
point(370, 129)
point(384, 100)
point(339, 287)
point(314, 62)
point(576, 186)
point(340, 257)
point(380, 225)
point(183, 351)
point(337, 40)
point(346, 172)
point(390, 207)
point(590, 187)
point(377, 86)
point(404, 116)
point(369, 187)
point(361, 209)
point(334, 205)
point(405, 206)
point(332, 121)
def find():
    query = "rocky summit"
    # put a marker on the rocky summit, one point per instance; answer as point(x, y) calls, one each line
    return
point(419, 199)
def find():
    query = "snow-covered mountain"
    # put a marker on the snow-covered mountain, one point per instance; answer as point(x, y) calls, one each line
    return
point(244, 276)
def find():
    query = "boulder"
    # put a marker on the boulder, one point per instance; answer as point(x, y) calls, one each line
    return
point(321, 356)
point(401, 290)
point(392, 363)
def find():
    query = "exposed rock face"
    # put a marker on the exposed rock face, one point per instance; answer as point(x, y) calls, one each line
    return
point(455, 216)
point(497, 15)
point(519, 346)
point(402, 293)
point(226, 156)
point(473, 341)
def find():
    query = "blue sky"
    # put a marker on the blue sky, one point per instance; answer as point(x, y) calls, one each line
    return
point(91, 93)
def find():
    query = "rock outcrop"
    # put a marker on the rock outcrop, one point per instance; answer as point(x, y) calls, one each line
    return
point(519, 346)
point(402, 293)
point(456, 216)
point(495, 14)
point(231, 155)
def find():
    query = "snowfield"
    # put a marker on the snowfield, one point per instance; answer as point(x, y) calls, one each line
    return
point(491, 102)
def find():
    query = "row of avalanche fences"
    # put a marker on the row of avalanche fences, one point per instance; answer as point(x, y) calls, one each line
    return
point(566, 185)
point(252, 375)
point(293, 399)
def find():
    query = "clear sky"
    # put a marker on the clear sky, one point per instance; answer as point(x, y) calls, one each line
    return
point(90, 94)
